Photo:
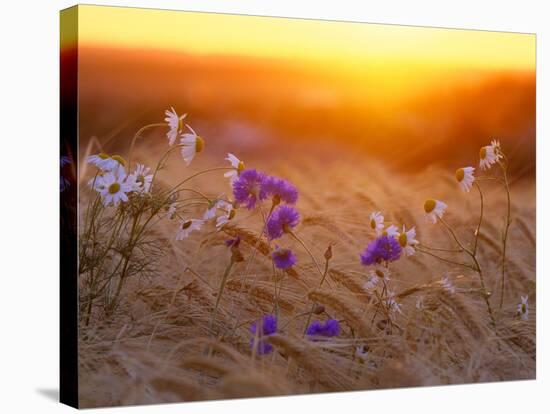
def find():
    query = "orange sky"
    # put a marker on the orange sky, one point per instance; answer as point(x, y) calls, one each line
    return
point(339, 44)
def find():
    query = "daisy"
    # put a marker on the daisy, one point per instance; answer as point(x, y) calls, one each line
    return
point(102, 161)
point(238, 166)
point(447, 285)
point(391, 231)
point(375, 276)
point(523, 308)
point(213, 208)
point(192, 144)
point(229, 214)
point(114, 187)
point(361, 353)
point(96, 183)
point(141, 179)
point(175, 123)
point(172, 211)
point(407, 241)
point(392, 304)
point(434, 209)
point(376, 222)
point(187, 227)
point(465, 177)
point(489, 155)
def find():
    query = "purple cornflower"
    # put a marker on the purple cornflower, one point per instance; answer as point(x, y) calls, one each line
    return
point(283, 258)
point(279, 190)
point(268, 327)
point(329, 329)
point(247, 188)
point(233, 242)
point(283, 219)
point(381, 249)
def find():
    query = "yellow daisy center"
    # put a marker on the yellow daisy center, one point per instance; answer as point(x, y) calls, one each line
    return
point(199, 145)
point(379, 273)
point(373, 223)
point(114, 188)
point(403, 239)
point(482, 153)
point(429, 205)
point(103, 156)
point(460, 174)
point(119, 159)
point(523, 308)
point(186, 225)
point(240, 167)
point(232, 214)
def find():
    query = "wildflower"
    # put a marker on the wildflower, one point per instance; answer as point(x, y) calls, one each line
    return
point(113, 187)
point(283, 258)
point(407, 241)
point(375, 275)
point(392, 304)
point(283, 220)
point(434, 209)
point(391, 231)
point(465, 177)
point(64, 182)
point(103, 161)
point(376, 222)
point(328, 329)
point(214, 206)
point(227, 209)
point(175, 123)
point(384, 248)
point(247, 188)
point(361, 353)
point(233, 242)
point(238, 166)
point(187, 227)
point(523, 308)
point(447, 285)
point(229, 214)
point(64, 160)
point(141, 179)
point(172, 210)
point(260, 329)
point(192, 145)
point(489, 155)
point(279, 190)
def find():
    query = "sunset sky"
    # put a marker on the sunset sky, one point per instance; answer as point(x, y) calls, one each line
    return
point(340, 43)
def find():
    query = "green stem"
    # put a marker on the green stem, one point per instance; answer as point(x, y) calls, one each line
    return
point(136, 136)
point(480, 217)
point(220, 293)
point(505, 235)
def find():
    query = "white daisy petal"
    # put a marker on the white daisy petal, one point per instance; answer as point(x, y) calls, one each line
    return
point(434, 209)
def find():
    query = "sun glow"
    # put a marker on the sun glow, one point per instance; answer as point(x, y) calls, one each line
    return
point(339, 44)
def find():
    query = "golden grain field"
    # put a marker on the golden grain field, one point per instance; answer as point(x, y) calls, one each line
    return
point(161, 345)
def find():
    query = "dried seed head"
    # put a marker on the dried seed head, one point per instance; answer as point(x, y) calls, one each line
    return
point(328, 252)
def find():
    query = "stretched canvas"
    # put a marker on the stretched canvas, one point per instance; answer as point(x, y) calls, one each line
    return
point(256, 206)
